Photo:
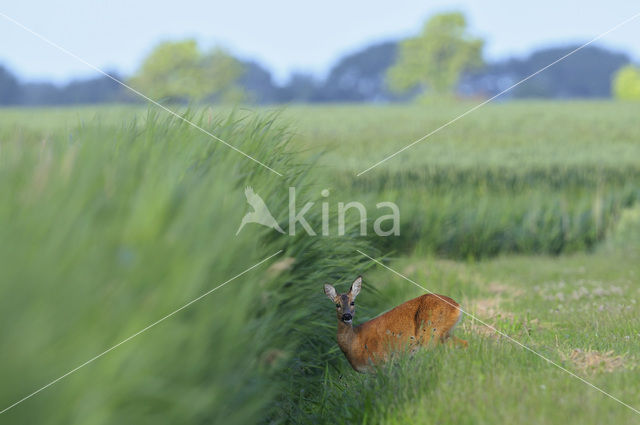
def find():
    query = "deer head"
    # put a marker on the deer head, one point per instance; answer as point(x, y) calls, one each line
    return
point(345, 303)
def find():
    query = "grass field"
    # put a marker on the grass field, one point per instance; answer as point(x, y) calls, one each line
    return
point(113, 217)
point(580, 311)
point(530, 177)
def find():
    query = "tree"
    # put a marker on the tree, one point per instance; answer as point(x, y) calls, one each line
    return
point(436, 58)
point(301, 87)
point(219, 75)
point(9, 88)
point(178, 71)
point(587, 73)
point(100, 89)
point(626, 83)
point(360, 76)
point(257, 81)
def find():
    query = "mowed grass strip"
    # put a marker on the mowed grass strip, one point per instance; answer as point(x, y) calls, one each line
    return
point(582, 311)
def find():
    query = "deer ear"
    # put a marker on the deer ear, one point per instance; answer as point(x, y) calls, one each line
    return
point(356, 286)
point(330, 291)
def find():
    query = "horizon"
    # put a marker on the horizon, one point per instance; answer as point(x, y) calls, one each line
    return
point(45, 64)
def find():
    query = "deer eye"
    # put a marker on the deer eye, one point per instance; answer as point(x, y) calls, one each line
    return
point(338, 305)
point(352, 303)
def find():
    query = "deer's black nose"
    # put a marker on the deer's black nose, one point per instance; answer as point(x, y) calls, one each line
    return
point(346, 317)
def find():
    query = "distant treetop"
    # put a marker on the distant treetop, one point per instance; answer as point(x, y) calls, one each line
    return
point(434, 60)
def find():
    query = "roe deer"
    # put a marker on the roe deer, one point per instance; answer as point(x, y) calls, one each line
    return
point(410, 325)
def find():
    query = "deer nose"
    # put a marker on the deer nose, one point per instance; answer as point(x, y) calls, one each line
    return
point(346, 317)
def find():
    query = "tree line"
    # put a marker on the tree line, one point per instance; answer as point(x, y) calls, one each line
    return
point(444, 59)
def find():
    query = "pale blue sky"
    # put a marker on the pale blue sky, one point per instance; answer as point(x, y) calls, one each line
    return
point(285, 35)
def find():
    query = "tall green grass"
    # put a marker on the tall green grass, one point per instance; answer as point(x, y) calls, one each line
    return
point(530, 177)
point(526, 177)
point(109, 222)
point(475, 218)
point(106, 227)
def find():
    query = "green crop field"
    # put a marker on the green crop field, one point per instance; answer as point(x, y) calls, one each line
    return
point(111, 218)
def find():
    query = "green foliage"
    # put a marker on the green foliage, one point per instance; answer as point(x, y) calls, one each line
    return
point(626, 83)
point(220, 72)
point(435, 59)
point(107, 227)
point(520, 177)
point(180, 71)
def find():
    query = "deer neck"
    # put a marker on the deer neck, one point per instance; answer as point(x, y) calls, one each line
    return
point(346, 337)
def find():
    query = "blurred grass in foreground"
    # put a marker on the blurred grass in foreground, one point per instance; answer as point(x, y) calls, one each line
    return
point(105, 228)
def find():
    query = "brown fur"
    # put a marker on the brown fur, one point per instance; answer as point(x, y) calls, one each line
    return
point(422, 321)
